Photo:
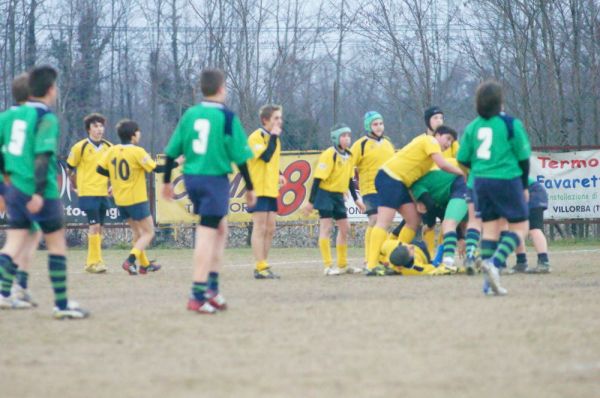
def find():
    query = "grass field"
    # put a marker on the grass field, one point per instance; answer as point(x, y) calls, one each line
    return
point(309, 336)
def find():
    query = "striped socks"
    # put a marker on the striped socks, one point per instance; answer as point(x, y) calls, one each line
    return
point(213, 282)
point(57, 267)
point(8, 271)
point(472, 241)
point(450, 239)
point(509, 241)
point(199, 290)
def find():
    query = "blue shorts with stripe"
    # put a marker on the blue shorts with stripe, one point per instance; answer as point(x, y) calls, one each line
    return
point(95, 208)
point(50, 218)
point(371, 202)
point(136, 212)
point(392, 193)
point(264, 204)
point(208, 194)
point(330, 205)
point(496, 198)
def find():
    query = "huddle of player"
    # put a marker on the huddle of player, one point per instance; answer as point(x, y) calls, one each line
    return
point(425, 180)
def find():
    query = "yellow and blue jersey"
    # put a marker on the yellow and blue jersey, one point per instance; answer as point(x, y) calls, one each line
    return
point(421, 262)
point(84, 157)
point(127, 166)
point(368, 155)
point(265, 175)
point(334, 169)
point(413, 161)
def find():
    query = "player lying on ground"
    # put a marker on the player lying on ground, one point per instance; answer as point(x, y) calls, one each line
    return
point(266, 177)
point(412, 259)
point(126, 166)
point(31, 141)
point(91, 187)
point(369, 153)
point(211, 137)
point(496, 149)
point(332, 179)
point(21, 296)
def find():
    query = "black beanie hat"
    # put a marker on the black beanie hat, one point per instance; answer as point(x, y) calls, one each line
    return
point(430, 112)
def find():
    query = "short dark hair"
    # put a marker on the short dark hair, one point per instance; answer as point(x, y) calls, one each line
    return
point(41, 78)
point(20, 88)
point(126, 130)
point(266, 111)
point(211, 80)
point(443, 129)
point(489, 99)
point(400, 256)
point(93, 118)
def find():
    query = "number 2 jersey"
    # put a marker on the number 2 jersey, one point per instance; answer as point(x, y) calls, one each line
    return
point(27, 131)
point(491, 150)
point(211, 137)
point(127, 165)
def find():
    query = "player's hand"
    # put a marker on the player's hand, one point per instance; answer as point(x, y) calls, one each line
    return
point(109, 191)
point(282, 180)
point(168, 192)
point(276, 131)
point(35, 204)
point(421, 208)
point(180, 160)
point(250, 198)
point(308, 209)
point(2, 204)
point(526, 193)
point(361, 206)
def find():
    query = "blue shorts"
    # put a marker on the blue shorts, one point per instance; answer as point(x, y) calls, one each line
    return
point(330, 204)
point(50, 218)
point(95, 207)
point(136, 212)
point(392, 193)
point(495, 198)
point(470, 195)
point(264, 203)
point(538, 197)
point(371, 202)
point(209, 194)
point(459, 188)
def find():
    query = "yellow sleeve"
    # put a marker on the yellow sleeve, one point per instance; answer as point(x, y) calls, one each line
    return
point(257, 144)
point(324, 165)
point(455, 147)
point(145, 160)
point(356, 153)
point(74, 156)
point(431, 146)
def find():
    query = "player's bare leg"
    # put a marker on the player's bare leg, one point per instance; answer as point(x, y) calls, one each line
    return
point(215, 298)
point(143, 233)
point(23, 261)
point(204, 254)
point(541, 247)
point(263, 230)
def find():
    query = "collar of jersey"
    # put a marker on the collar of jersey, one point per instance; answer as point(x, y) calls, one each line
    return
point(37, 104)
point(94, 145)
point(345, 153)
point(264, 130)
point(374, 137)
point(212, 104)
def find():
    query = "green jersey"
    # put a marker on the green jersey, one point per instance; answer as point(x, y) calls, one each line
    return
point(439, 185)
point(211, 137)
point(30, 130)
point(494, 147)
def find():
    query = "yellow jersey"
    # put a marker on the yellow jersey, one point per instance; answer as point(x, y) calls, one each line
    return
point(421, 264)
point(368, 155)
point(413, 161)
point(127, 166)
point(265, 175)
point(84, 157)
point(335, 170)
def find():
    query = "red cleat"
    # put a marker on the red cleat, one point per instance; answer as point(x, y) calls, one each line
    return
point(130, 268)
point(153, 267)
point(217, 300)
point(201, 307)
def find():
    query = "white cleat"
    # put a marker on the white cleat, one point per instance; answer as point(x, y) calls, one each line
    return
point(73, 311)
point(448, 263)
point(12, 303)
point(22, 294)
point(331, 271)
point(492, 278)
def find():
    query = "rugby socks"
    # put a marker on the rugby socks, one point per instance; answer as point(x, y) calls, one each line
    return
point(144, 262)
point(429, 239)
point(342, 255)
point(407, 235)
point(378, 237)
point(94, 243)
point(522, 258)
point(199, 290)
point(509, 241)
point(325, 248)
point(488, 247)
point(543, 258)
point(261, 265)
point(57, 267)
point(22, 278)
point(213, 282)
point(471, 242)
point(450, 239)
point(367, 242)
point(8, 271)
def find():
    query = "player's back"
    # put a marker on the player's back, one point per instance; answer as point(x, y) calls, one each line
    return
point(494, 147)
point(127, 165)
point(414, 160)
point(211, 137)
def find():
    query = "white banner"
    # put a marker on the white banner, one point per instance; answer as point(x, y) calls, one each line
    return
point(572, 180)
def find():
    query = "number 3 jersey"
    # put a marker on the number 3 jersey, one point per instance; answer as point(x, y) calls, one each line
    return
point(127, 166)
point(27, 131)
point(492, 150)
point(211, 137)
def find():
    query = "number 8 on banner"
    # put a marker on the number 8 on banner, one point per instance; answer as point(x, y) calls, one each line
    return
point(296, 174)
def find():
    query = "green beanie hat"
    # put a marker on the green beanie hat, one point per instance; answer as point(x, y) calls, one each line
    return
point(369, 118)
point(337, 131)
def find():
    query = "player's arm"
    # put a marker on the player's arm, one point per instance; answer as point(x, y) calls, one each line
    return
point(269, 151)
point(443, 164)
point(357, 200)
point(72, 162)
point(102, 167)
